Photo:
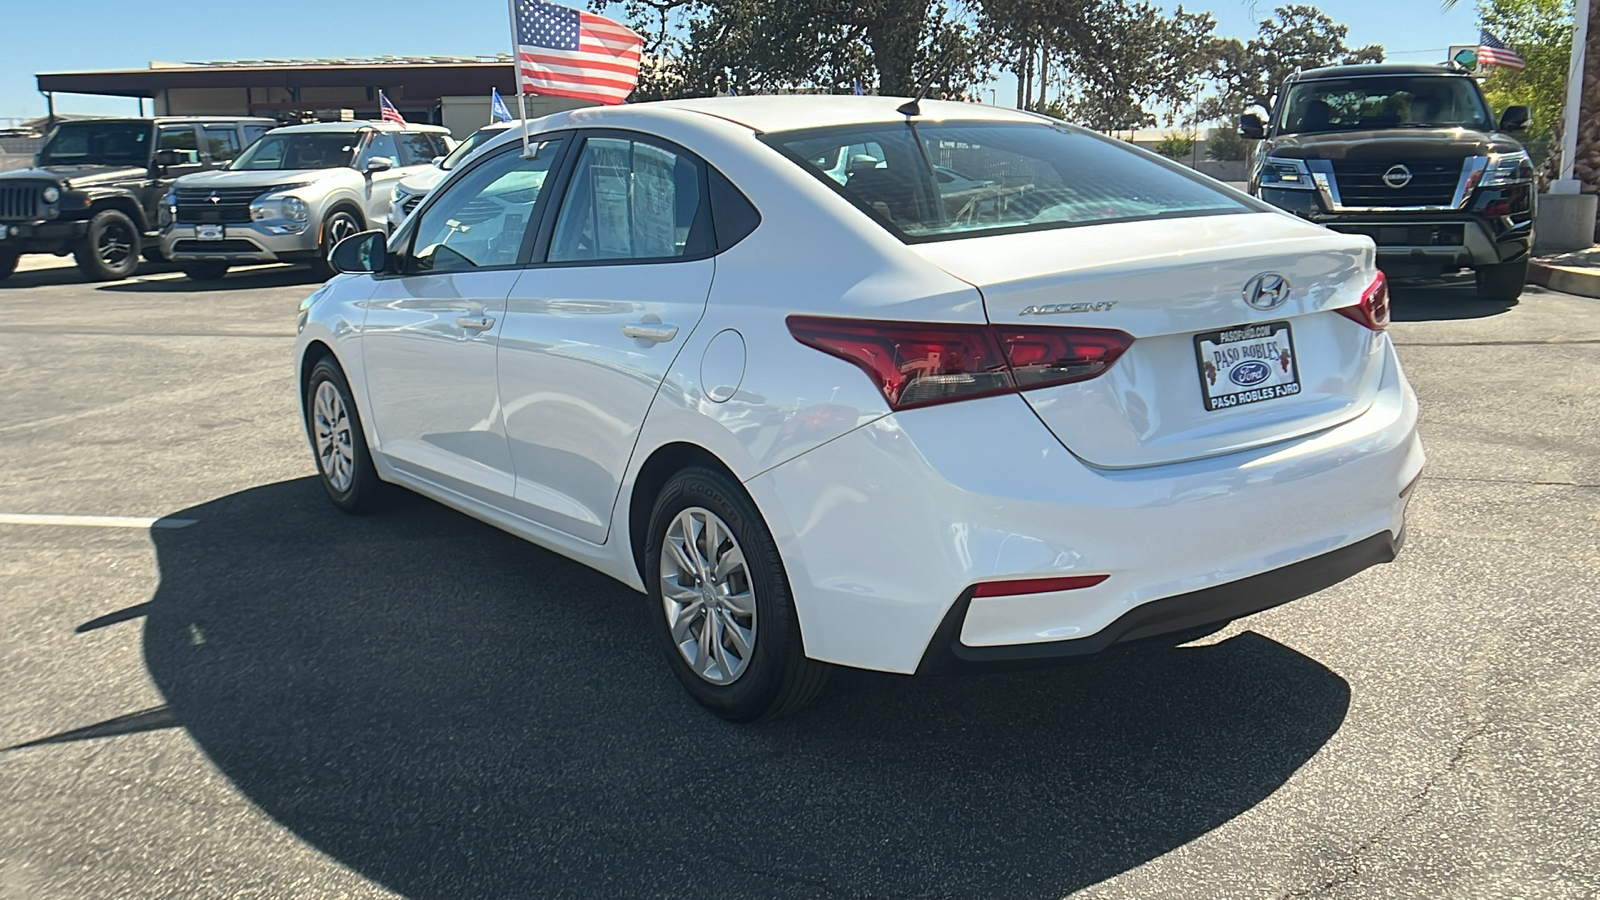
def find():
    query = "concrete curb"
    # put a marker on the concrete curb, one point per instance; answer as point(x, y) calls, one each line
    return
point(1585, 282)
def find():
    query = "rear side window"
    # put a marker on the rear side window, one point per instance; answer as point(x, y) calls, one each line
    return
point(630, 200)
point(417, 148)
point(222, 142)
point(941, 180)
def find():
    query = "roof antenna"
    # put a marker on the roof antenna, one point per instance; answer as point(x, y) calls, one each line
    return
point(913, 107)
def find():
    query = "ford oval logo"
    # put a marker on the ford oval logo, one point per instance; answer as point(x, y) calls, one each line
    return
point(1249, 373)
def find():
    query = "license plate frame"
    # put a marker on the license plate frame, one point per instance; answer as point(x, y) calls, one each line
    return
point(206, 232)
point(1246, 364)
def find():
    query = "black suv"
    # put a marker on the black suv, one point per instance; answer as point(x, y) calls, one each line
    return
point(1410, 156)
point(97, 186)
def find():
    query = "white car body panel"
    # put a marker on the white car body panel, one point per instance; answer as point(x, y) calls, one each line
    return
point(883, 518)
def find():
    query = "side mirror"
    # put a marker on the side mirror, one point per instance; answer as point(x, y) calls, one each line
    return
point(379, 164)
point(366, 252)
point(438, 161)
point(165, 158)
point(1250, 126)
point(1516, 118)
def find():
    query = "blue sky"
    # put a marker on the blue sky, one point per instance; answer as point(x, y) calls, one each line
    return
point(38, 39)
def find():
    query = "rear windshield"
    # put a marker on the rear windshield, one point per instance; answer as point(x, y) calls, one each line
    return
point(929, 181)
point(302, 150)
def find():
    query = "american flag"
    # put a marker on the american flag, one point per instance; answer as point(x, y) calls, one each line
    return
point(388, 112)
point(1493, 52)
point(564, 52)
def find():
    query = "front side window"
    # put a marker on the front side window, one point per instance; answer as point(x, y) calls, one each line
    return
point(302, 150)
point(1368, 103)
point(480, 221)
point(97, 144)
point(381, 143)
point(941, 180)
point(222, 142)
point(629, 200)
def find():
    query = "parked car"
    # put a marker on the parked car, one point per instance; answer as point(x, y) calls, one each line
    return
point(868, 424)
point(409, 191)
point(1410, 156)
point(96, 187)
point(293, 195)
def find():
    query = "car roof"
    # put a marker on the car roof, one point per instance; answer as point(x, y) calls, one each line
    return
point(788, 112)
point(349, 127)
point(1377, 69)
point(161, 119)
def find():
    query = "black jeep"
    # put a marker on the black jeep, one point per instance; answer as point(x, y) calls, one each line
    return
point(97, 185)
point(1409, 156)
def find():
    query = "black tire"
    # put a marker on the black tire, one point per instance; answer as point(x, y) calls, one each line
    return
point(364, 492)
point(211, 271)
point(1503, 282)
point(110, 248)
point(778, 678)
point(339, 224)
point(8, 264)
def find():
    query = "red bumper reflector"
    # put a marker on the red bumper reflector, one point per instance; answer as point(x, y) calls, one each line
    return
point(1036, 585)
point(1410, 484)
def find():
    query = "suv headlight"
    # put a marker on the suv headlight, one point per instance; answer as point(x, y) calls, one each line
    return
point(1284, 174)
point(51, 194)
point(1507, 169)
point(277, 206)
point(169, 210)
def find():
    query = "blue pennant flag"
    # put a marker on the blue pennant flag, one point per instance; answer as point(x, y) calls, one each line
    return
point(497, 109)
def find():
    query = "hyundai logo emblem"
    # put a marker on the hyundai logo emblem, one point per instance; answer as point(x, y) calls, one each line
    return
point(1397, 177)
point(1268, 290)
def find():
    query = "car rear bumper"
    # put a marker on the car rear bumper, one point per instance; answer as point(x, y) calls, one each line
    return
point(241, 243)
point(885, 531)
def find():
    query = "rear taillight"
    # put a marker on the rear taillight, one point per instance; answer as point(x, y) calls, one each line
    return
point(923, 363)
point(1373, 310)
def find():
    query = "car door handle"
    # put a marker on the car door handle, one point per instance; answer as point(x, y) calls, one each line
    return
point(651, 332)
point(476, 323)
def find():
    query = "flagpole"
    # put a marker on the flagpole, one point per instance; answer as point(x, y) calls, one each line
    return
point(516, 67)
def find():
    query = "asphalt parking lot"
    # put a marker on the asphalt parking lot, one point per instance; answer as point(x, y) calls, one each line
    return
point(277, 700)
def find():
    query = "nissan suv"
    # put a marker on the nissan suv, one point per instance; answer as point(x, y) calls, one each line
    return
point(96, 186)
point(1410, 156)
point(293, 195)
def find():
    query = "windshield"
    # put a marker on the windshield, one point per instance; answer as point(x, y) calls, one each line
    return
point(1362, 104)
point(937, 180)
point(464, 149)
point(306, 150)
point(97, 144)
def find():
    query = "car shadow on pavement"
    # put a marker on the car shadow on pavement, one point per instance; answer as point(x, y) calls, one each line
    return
point(1439, 299)
point(453, 712)
point(246, 279)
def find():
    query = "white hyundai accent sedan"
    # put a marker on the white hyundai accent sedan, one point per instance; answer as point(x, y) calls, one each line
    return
point(1001, 391)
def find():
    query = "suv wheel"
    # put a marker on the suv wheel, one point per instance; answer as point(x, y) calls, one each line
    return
point(212, 271)
point(721, 603)
point(8, 264)
point(1504, 281)
point(110, 249)
point(339, 225)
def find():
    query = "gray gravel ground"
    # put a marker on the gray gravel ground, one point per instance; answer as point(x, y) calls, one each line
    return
point(282, 701)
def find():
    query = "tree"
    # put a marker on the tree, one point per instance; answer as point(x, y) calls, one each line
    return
point(1225, 145)
point(1175, 145)
point(1135, 62)
point(1541, 33)
point(1248, 75)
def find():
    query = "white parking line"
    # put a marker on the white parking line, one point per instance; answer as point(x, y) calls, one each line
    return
point(95, 521)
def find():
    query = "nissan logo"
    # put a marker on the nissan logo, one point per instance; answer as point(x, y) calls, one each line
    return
point(1397, 177)
point(1268, 290)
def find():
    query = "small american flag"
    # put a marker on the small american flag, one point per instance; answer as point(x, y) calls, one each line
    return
point(388, 112)
point(564, 52)
point(1493, 52)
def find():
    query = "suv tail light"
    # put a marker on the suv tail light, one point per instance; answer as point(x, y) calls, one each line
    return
point(1373, 310)
point(923, 363)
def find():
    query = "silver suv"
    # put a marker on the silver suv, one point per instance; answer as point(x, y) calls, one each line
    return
point(293, 195)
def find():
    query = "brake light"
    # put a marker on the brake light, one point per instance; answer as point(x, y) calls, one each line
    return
point(923, 363)
point(1373, 310)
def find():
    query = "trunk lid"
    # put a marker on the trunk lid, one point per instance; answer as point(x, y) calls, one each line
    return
point(1165, 283)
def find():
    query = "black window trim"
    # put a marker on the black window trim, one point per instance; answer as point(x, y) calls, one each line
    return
point(774, 140)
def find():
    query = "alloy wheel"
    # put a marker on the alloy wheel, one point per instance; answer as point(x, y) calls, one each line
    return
point(114, 244)
point(339, 228)
point(707, 595)
point(332, 429)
